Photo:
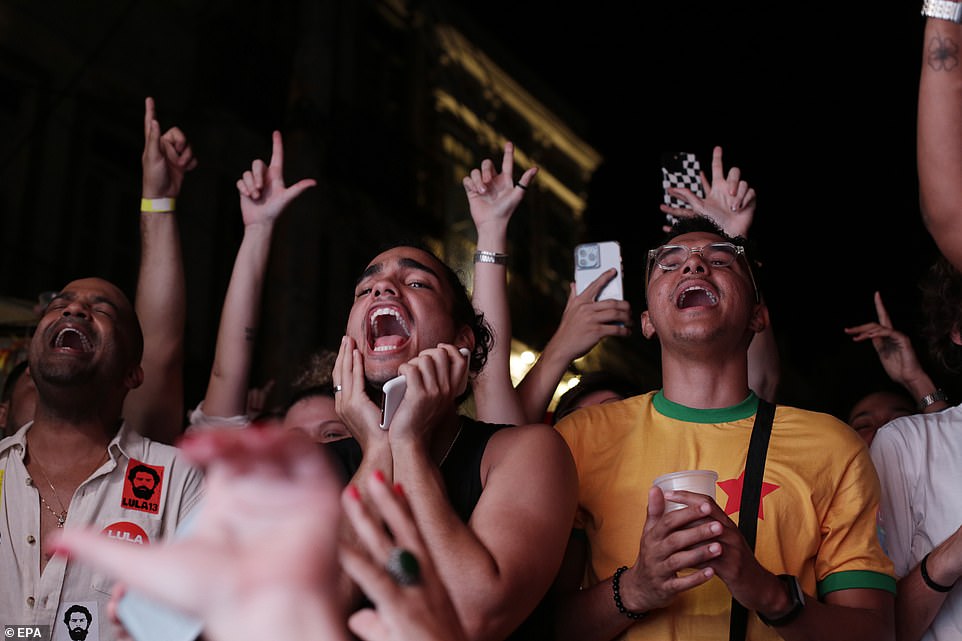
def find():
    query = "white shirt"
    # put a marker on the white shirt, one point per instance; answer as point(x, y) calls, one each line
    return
point(919, 463)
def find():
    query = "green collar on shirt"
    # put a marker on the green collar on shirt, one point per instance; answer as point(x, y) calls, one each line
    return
point(745, 409)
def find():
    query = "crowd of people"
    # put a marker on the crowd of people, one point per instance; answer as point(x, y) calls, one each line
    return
point(320, 520)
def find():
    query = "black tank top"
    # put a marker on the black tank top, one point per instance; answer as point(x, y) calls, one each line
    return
point(461, 472)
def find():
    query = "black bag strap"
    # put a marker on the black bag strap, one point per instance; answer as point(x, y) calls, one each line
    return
point(751, 494)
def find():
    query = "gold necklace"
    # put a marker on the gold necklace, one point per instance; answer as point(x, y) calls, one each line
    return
point(451, 446)
point(62, 515)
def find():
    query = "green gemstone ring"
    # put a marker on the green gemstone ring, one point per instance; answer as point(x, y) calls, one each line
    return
point(403, 567)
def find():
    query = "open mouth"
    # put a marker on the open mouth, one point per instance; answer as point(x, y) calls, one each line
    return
point(696, 296)
point(387, 330)
point(72, 339)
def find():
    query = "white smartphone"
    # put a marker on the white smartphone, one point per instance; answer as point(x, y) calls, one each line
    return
point(593, 259)
point(393, 393)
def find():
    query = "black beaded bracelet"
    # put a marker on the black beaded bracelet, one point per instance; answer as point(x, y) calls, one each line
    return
point(616, 592)
point(924, 570)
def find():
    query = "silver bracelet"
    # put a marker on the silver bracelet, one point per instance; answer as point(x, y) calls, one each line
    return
point(934, 397)
point(943, 10)
point(494, 258)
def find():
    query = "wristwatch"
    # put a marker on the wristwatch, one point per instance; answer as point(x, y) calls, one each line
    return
point(943, 10)
point(798, 602)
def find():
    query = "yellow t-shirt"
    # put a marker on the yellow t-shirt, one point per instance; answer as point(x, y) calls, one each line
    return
point(817, 513)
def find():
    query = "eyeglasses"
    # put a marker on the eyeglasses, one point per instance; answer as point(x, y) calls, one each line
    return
point(722, 254)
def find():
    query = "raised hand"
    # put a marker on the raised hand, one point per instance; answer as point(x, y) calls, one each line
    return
point(894, 348)
point(585, 321)
point(166, 158)
point(729, 201)
point(263, 193)
point(493, 196)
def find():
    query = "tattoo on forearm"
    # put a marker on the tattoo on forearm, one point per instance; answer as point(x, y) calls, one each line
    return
point(942, 54)
point(250, 333)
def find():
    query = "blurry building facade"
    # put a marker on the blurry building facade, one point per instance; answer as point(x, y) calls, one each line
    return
point(387, 103)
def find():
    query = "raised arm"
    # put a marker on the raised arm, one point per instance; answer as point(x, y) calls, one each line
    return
point(730, 202)
point(263, 197)
point(939, 133)
point(897, 356)
point(493, 197)
point(156, 408)
point(584, 323)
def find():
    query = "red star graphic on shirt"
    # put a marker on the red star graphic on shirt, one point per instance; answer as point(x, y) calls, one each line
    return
point(733, 488)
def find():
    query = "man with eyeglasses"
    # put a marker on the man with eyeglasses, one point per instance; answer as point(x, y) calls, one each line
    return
point(637, 569)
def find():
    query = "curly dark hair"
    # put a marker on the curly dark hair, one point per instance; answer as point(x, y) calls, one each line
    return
point(942, 310)
point(314, 378)
point(465, 314)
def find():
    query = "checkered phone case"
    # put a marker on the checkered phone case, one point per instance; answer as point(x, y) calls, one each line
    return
point(681, 170)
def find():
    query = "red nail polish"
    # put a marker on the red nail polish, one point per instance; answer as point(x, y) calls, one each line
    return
point(353, 492)
point(398, 490)
point(379, 476)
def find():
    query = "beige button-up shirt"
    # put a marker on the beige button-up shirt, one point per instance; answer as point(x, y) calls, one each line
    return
point(167, 489)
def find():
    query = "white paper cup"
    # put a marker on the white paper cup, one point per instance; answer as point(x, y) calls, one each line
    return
point(700, 481)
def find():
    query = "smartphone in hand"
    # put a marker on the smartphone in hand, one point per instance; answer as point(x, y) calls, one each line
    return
point(393, 392)
point(680, 169)
point(592, 260)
